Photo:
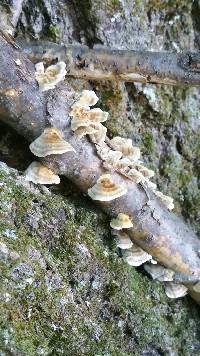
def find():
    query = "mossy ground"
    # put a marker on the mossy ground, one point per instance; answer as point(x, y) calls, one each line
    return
point(66, 291)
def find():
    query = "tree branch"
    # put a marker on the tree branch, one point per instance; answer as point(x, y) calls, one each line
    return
point(156, 230)
point(130, 66)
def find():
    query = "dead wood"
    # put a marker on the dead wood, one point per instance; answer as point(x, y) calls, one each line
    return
point(156, 230)
point(124, 65)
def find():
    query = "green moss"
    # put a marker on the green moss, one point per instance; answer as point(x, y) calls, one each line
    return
point(148, 143)
point(53, 32)
point(69, 291)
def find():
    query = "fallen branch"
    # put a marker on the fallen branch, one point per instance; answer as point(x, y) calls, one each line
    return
point(130, 66)
point(156, 230)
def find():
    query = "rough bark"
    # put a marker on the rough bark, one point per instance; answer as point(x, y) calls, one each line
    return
point(156, 230)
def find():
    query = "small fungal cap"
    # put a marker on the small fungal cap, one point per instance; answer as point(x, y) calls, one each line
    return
point(136, 256)
point(18, 62)
point(87, 98)
point(123, 240)
point(37, 173)
point(122, 221)
point(174, 290)
point(85, 130)
point(100, 135)
point(39, 68)
point(112, 158)
point(167, 201)
point(148, 173)
point(76, 123)
point(196, 287)
point(123, 164)
point(103, 151)
point(106, 190)
point(95, 115)
point(50, 142)
point(151, 185)
point(126, 147)
point(49, 78)
point(154, 262)
point(85, 117)
point(135, 176)
point(159, 272)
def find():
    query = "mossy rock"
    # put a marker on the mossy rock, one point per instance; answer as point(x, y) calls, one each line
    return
point(66, 290)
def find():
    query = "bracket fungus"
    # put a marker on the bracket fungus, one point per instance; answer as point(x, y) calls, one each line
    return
point(148, 173)
point(106, 190)
point(151, 185)
point(87, 98)
point(126, 147)
point(159, 272)
point(83, 116)
point(100, 135)
point(123, 240)
point(135, 176)
point(122, 221)
point(167, 201)
point(136, 256)
point(38, 173)
point(196, 287)
point(49, 78)
point(50, 142)
point(85, 130)
point(174, 290)
point(110, 158)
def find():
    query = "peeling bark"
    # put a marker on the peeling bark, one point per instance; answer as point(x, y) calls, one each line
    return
point(156, 230)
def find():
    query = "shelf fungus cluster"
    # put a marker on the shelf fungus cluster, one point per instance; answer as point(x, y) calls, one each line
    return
point(118, 154)
point(50, 142)
point(49, 78)
point(87, 121)
point(166, 275)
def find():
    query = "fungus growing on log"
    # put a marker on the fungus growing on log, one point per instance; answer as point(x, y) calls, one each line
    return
point(87, 98)
point(174, 290)
point(50, 142)
point(123, 240)
point(160, 237)
point(38, 173)
point(122, 221)
point(106, 190)
point(136, 256)
point(49, 78)
point(159, 272)
point(196, 287)
point(85, 130)
point(100, 135)
point(126, 147)
point(83, 116)
point(167, 201)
